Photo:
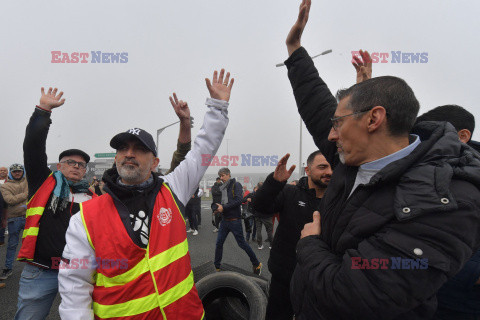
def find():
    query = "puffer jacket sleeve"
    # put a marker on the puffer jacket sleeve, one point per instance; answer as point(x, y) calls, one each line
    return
point(316, 104)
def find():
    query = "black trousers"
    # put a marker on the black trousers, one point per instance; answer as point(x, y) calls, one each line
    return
point(279, 306)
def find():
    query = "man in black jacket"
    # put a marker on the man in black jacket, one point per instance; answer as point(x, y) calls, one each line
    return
point(401, 214)
point(295, 204)
point(216, 198)
point(229, 207)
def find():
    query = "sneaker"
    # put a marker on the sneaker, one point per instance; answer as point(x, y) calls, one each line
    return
point(260, 247)
point(215, 230)
point(2, 285)
point(258, 269)
point(5, 274)
point(217, 269)
point(195, 232)
point(190, 230)
point(269, 247)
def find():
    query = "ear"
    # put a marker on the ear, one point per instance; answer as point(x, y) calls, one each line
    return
point(464, 135)
point(155, 163)
point(307, 171)
point(58, 166)
point(377, 117)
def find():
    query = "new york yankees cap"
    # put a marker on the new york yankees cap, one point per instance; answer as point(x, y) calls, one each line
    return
point(143, 136)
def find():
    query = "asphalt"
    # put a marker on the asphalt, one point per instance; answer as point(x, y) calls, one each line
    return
point(202, 250)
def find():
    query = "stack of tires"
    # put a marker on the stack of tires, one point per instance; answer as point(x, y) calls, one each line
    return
point(233, 296)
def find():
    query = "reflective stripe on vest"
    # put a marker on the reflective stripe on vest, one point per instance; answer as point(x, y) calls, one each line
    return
point(157, 282)
point(35, 208)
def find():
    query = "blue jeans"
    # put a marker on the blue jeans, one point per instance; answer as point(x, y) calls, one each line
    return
point(15, 226)
point(38, 288)
point(234, 227)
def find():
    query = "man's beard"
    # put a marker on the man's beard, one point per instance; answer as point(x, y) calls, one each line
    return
point(320, 184)
point(129, 173)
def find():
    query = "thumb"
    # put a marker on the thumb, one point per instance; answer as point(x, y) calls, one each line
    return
point(316, 217)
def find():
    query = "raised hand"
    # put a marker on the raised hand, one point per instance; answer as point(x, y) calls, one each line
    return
point(220, 88)
point(281, 174)
point(181, 108)
point(51, 100)
point(295, 34)
point(363, 65)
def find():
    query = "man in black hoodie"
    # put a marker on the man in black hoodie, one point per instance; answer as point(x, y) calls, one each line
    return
point(295, 205)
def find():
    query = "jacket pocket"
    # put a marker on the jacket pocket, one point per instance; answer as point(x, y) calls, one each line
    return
point(417, 249)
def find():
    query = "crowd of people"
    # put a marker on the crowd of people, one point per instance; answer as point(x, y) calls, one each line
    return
point(385, 224)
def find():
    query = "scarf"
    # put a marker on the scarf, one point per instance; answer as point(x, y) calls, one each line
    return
point(61, 192)
point(223, 188)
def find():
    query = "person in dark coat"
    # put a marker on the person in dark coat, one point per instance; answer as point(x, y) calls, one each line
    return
point(229, 207)
point(401, 214)
point(459, 298)
point(249, 215)
point(192, 210)
point(216, 198)
point(295, 204)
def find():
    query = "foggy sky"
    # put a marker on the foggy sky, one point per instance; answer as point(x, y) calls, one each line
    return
point(173, 45)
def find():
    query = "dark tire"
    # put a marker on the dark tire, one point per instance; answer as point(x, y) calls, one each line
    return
point(234, 308)
point(233, 285)
point(263, 284)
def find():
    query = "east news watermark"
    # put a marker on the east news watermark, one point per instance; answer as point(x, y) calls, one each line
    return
point(395, 263)
point(89, 57)
point(242, 160)
point(85, 263)
point(395, 57)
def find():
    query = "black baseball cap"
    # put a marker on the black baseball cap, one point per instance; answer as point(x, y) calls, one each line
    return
point(74, 152)
point(143, 136)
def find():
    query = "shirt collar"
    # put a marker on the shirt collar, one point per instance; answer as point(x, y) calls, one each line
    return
point(379, 164)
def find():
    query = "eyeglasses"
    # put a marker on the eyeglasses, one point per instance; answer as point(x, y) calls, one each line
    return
point(335, 121)
point(72, 163)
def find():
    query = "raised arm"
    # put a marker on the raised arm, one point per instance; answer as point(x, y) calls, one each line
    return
point(269, 198)
point(315, 102)
point(34, 145)
point(185, 178)
point(294, 37)
point(184, 143)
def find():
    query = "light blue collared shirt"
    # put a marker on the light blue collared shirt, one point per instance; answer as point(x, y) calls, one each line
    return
point(367, 170)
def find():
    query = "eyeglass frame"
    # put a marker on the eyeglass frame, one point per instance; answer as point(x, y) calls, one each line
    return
point(334, 120)
point(72, 163)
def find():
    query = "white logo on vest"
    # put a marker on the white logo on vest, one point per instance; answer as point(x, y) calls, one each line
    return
point(164, 216)
point(134, 131)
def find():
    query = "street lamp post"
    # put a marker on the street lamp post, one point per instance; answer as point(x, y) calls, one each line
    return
point(161, 129)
